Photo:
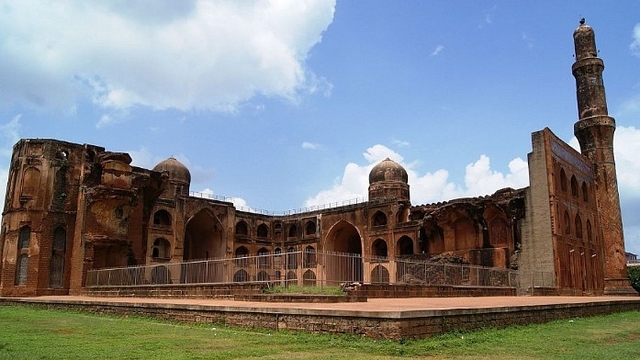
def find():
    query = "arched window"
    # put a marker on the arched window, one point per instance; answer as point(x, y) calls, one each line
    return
point(563, 180)
point(161, 249)
point(293, 230)
point(22, 262)
point(292, 258)
point(262, 276)
point(574, 186)
point(263, 231)
point(310, 228)
point(567, 223)
point(379, 219)
point(309, 278)
point(585, 192)
point(405, 246)
point(162, 217)
point(263, 258)
point(56, 273)
point(25, 237)
point(22, 267)
point(578, 226)
point(242, 228)
point(379, 248)
point(309, 257)
point(277, 258)
point(380, 275)
point(241, 255)
point(241, 276)
point(589, 231)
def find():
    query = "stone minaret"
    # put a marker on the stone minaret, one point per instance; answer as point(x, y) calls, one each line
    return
point(594, 131)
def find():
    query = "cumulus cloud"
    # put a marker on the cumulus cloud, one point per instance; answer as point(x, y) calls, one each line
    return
point(480, 179)
point(635, 45)
point(185, 55)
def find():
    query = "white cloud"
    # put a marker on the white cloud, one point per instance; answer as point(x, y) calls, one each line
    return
point(196, 54)
point(635, 45)
point(10, 134)
point(310, 146)
point(400, 143)
point(427, 188)
point(437, 50)
point(627, 148)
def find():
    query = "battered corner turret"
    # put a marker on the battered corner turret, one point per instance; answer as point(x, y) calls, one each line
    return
point(594, 130)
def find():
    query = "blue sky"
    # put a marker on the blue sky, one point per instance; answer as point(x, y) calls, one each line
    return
point(286, 104)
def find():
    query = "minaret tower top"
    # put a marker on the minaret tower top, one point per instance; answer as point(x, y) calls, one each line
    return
point(594, 130)
point(588, 70)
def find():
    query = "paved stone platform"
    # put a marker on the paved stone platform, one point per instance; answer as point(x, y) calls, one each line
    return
point(378, 318)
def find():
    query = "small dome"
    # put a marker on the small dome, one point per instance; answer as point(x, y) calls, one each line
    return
point(177, 171)
point(388, 170)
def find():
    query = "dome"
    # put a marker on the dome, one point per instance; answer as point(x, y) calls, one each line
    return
point(177, 171)
point(388, 170)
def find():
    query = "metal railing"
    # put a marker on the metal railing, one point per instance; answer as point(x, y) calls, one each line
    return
point(303, 268)
point(301, 210)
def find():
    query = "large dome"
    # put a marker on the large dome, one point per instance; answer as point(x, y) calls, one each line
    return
point(388, 170)
point(177, 171)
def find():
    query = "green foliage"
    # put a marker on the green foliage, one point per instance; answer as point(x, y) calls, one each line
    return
point(634, 276)
point(34, 333)
point(295, 289)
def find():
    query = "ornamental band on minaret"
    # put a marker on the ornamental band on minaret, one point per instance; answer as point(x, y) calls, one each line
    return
point(594, 131)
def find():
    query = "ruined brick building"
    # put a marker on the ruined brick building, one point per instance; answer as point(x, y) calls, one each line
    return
point(71, 208)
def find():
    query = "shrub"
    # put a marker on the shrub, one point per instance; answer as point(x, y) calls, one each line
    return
point(634, 276)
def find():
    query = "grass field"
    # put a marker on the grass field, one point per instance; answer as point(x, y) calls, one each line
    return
point(34, 333)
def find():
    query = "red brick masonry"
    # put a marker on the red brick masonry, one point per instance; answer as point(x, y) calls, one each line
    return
point(376, 318)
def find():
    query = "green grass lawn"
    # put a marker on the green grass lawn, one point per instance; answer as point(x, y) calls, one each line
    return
point(33, 333)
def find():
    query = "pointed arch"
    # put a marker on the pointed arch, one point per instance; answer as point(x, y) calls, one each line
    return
point(563, 180)
point(161, 249)
point(379, 275)
point(24, 238)
point(344, 238)
point(309, 278)
point(578, 226)
point(309, 257)
point(405, 246)
point(574, 186)
point(310, 228)
point(204, 237)
point(379, 219)
point(566, 223)
point(379, 248)
point(263, 231)
point(585, 192)
point(293, 231)
point(162, 218)
point(263, 258)
point(242, 228)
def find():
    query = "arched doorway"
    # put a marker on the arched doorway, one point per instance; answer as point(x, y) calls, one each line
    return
point(345, 266)
point(203, 238)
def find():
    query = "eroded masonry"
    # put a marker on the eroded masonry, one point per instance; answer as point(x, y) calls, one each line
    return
point(73, 208)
